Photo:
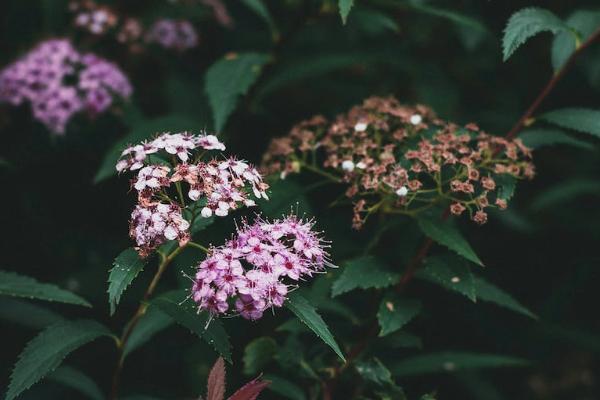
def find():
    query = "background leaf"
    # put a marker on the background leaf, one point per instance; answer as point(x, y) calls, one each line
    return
point(364, 273)
point(579, 119)
point(564, 192)
point(284, 387)
point(258, 353)
point(450, 361)
point(527, 23)
point(77, 380)
point(12, 284)
point(47, 350)
point(585, 22)
point(149, 325)
point(307, 314)
point(536, 138)
point(228, 79)
point(27, 314)
point(125, 268)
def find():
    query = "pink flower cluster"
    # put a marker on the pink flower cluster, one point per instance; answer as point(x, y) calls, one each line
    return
point(256, 269)
point(59, 82)
point(178, 35)
point(221, 186)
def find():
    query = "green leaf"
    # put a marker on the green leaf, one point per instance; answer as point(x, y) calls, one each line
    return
point(374, 371)
point(579, 119)
point(258, 353)
point(27, 314)
point(448, 235)
point(345, 6)
point(451, 273)
point(230, 78)
point(125, 268)
point(308, 315)
point(373, 22)
point(564, 192)
point(450, 361)
point(401, 339)
point(12, 284)
point(149, 325)
point(47, 350)
point(585, 22)
point(363, 273)
point(77, 380)
point(527, 23)
point(536, 138)
point(453, 16)
point(395, 312)
point(259, 8)
point(488, 292)
point(284, 196)
point(186, 315)
point(144, 129)
point(284, 388)
point(506, 185)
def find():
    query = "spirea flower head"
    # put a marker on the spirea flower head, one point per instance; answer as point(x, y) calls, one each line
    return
point(59, 82)
point(172, 34)
point(213, 186)
point(403, 159)
point(257, 268)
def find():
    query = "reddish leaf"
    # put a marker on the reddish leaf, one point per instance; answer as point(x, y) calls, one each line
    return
point(250, 390)
point(216, 381)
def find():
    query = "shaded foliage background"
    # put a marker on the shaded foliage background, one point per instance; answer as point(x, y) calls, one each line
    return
point(61, 227)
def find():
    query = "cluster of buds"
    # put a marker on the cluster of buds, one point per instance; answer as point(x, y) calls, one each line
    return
point(215, 186)
point(59, 82)
point(402, 159)
point(256, 269)
point(102, 20)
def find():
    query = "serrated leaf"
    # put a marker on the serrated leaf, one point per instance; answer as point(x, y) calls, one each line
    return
point(149, 325)
point(448, 235)
point(258, 353)
point(536, 138)
point(125, 268)
point(77, 380)
point(144, 129)
point(250, 390)
point(284, 387)
point(375, 372)
point(564, 192)
point(527, 23)
point(395, 312)
point(185, 315)
point(451, 273)
point(585, 22)
point(451, 361)
point(27, 314)
point(309, 316)
point(15, 285)
point(345, 6)
point(215, 386)
point(228, 79)
point(579, 119)
point(44, 353)
point(363, 273)
point(488, 292)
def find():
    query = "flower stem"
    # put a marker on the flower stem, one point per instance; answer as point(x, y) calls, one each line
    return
point(122, 341)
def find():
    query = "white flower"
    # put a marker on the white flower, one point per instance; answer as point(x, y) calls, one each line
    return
point(416, 119)
point(348, 165)
point(361, 127)
point(206, 212)
point(403, 191)
point(361, 165)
